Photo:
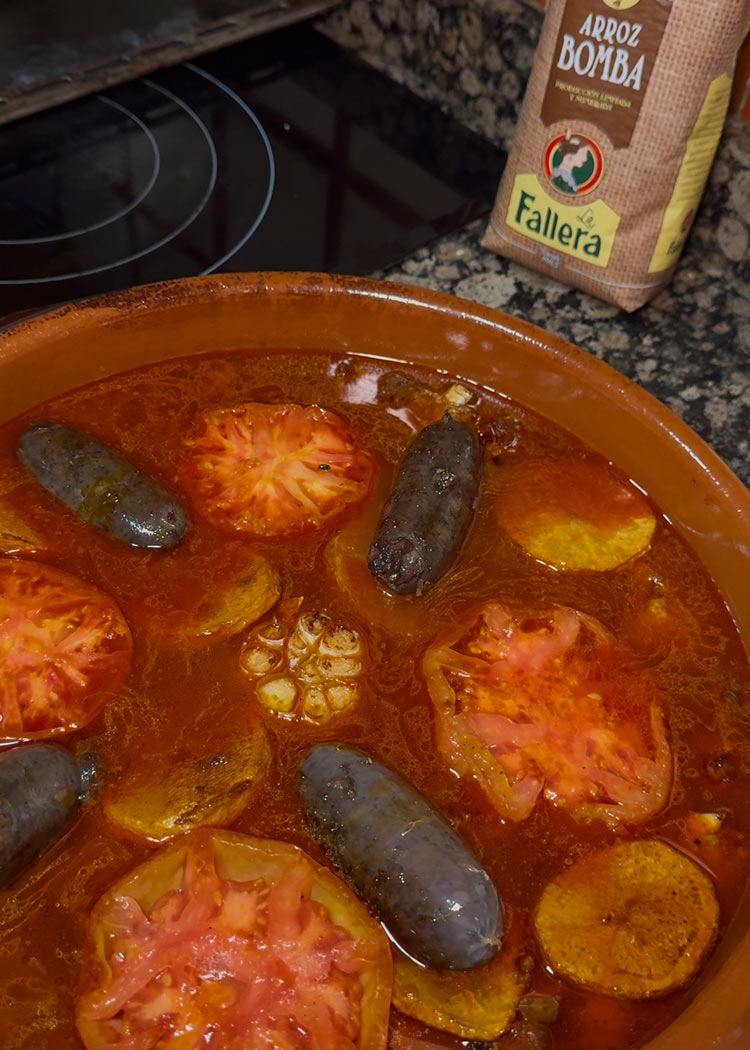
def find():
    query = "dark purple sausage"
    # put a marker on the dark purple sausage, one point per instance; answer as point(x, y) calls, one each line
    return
point(428, 514)
point(41, 787)
point(402, 857)
point(101, 486)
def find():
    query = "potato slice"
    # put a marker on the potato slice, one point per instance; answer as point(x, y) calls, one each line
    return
point(474, 1004)
point(222, 611)
point(212, 790)
point(633, 920)
point(575, 515)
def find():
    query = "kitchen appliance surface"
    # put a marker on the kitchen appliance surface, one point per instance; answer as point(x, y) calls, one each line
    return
point(52, 52)
point(278, 152)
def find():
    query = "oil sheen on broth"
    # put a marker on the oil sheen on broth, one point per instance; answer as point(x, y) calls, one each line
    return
point(186, 695)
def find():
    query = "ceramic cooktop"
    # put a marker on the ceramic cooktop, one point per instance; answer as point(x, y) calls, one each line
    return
point(280, 152)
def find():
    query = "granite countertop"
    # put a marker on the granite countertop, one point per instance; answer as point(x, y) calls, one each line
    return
point(689, 347)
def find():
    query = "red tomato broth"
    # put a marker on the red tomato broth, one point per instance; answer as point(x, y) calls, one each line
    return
point(188, 699)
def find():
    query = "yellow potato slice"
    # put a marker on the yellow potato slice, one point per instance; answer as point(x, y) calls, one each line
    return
point(212, 790)
point(574, 515)
point(250, 596)
point(474, 1004)
point(633, 920)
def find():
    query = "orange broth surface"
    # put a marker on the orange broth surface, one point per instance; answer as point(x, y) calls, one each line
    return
point(188, 700)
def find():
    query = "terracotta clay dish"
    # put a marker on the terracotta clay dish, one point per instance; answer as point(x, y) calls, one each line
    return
point(503, 731)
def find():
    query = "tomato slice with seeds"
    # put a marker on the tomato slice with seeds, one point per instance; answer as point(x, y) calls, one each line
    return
point(534, 702)
point(237, 942)
point(275, 470)
point(64, 649)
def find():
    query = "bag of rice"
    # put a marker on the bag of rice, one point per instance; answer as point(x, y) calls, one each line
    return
point(619, 127)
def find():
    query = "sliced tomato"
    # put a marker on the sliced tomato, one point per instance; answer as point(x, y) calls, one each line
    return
point(64, 649)
point(275, 470)
point(575, 515)
point(544, 702)
point(237, 942)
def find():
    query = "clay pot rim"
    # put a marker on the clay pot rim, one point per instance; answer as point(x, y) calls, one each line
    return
point(173, 293)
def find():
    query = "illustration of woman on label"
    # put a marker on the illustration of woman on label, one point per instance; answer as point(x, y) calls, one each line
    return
point(573, 165)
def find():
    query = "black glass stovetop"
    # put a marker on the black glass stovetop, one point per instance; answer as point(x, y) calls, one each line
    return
point(282, 152)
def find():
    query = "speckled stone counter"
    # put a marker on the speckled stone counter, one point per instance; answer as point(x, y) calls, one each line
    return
point(690, 346)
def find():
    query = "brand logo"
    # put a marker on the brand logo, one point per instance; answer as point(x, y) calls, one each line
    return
point(584, 230)
point(573, 164)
